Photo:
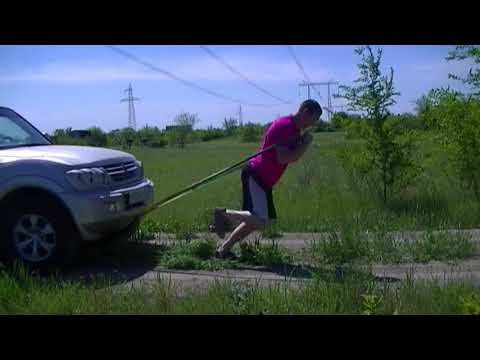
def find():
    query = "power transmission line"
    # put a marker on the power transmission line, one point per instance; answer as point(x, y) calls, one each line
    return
point(132, 122)
point(329, 103)
point(295, 58)
point(185, 82)
point(292, 53)
point(309, 83)
point(240, 117)
point(232, 69)
point(314, 88)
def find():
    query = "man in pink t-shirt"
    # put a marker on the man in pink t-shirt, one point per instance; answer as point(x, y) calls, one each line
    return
point(263, 172)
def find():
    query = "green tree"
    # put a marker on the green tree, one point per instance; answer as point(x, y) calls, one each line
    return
point(230, 125)
point(251, 132)
point(407, 121)
point(322, 126)
point(387, 156)
point(64, 137)
point(211, 133)
point(457, 120)
point(97, 137)
point(427, 104)
point(173, 137)
point(150, 136)
point(351, 123)
point(422, 108)
point(113, 138)
point(340, 120)
point(125, 137)
point(58, 136)
point(357, 129)
point(468, 52)
point(185, 123)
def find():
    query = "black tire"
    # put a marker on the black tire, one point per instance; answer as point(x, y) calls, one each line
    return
point(62, 237)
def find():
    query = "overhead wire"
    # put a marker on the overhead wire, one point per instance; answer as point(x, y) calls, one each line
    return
point(302, 70)
point(188, 83)
point(238, 73)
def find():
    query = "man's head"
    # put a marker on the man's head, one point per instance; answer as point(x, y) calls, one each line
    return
point(308, 114)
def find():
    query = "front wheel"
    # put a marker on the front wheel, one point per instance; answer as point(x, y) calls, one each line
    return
point(39, 233)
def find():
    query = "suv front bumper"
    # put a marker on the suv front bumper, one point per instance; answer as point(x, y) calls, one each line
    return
point(101, 213)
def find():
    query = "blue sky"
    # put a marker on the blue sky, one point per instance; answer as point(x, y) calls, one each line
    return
point(81, 86)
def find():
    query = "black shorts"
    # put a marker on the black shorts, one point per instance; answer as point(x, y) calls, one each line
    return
point(257, 198)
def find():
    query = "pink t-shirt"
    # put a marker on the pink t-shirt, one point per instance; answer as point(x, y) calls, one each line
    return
point(265, 166)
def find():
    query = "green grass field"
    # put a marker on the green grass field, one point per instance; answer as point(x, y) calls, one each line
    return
point(315, 194)
point(21, 293)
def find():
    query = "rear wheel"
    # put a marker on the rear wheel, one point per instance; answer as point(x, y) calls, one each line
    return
point(39, 232)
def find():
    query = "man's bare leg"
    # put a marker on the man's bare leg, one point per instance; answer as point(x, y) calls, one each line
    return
point(240, 233)
point(248, 224)
point(236, 217)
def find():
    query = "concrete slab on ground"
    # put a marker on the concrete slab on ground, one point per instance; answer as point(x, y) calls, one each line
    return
point(298, 241)
point(182, 281)
point(467, 270)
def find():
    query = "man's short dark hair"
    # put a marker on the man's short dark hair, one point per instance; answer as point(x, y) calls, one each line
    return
point(311, 106)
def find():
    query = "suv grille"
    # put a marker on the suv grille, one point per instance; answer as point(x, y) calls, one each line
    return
point(123, 171)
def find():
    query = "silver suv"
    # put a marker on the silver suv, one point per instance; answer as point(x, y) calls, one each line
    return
point(54, 197)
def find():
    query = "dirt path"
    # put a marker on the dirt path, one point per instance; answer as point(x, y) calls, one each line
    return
point(183, 281)
point(297, 241)
point(199, 280)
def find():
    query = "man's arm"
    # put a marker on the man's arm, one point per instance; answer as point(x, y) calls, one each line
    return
point(285, 155)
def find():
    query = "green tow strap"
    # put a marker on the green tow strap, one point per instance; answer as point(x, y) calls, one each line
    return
point(209, 179)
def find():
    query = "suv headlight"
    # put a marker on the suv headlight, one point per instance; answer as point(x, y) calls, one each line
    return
point(88, 178)
point(140, 168)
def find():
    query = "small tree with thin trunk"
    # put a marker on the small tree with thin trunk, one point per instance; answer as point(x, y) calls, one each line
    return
point(230, 125)
point(387, 157)
point(185, 123)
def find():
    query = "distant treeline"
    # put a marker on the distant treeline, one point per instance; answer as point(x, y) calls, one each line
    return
point(183, 132)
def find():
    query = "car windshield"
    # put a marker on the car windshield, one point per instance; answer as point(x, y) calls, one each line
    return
point(17, 132)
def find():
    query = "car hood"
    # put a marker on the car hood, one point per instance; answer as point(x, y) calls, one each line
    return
point(65, 154)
